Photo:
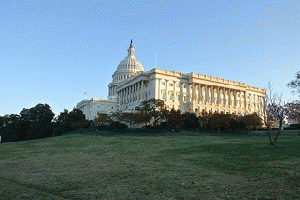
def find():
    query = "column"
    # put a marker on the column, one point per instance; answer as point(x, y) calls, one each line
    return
point(235, 99)
point(139, 91)
point(193, 92)
point(206, 94)
point(155, 89)
point(229, 98)
point(212, 95)
point(118, 98)
point(136, 91)
point(219, 97)
point(174, 92)
point(131, 91)
point(142, 90)
point(189, 95)
point(159, 92)
point(199, 93)
point(224, 96)
point(245, 101)
point(167, 93)
point(181, 93)
point(254, 102)
point(123, 96)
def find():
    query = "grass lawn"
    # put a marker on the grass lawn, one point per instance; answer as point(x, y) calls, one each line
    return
point(179, 166)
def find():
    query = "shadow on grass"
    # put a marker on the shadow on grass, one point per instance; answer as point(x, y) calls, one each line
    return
point(236, 158)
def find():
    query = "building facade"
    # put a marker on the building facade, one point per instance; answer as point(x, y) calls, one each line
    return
point(191, 92)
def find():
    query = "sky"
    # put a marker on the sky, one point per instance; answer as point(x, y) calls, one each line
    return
point(54, 51)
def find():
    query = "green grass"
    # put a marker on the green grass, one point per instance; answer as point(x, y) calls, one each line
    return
point(183, 165)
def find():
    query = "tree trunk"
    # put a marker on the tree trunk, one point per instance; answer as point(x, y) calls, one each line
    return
point(278, 133)
point(270, 138)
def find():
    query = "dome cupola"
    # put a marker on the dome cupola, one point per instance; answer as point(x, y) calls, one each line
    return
point(127, 67)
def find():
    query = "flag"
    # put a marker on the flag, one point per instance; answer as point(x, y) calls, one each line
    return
point(85, 93)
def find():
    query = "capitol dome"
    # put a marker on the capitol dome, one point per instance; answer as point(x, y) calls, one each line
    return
point(127, 67)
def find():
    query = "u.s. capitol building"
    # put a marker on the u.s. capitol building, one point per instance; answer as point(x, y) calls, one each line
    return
point(191, 92)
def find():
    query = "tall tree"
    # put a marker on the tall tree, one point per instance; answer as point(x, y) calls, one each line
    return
point(10, 128)
point(151, 109)
point(295, 84)
point(37, 121)
point(294, 111)
point(174, 119)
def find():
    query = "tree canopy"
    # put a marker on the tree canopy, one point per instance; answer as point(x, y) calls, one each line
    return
point(295, 84)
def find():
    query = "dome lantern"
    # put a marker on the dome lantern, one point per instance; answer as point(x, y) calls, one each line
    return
point(127, 67)
point(131, 51)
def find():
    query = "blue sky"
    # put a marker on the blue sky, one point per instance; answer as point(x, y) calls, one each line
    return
point(52, 52)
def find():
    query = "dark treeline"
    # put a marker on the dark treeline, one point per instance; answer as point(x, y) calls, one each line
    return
point(39, 122)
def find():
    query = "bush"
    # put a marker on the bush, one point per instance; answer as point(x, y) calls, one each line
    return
point(117, 126)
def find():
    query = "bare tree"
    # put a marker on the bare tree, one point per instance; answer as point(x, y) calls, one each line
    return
point(275, 109)
point(295, 84)
point(294, 110)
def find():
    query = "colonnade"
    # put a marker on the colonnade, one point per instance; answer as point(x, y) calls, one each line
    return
point(208, 95)
point(135, 93)
point(112, 90)
point(193, 95)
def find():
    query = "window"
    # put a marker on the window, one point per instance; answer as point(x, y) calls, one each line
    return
point(163, 83)
point(171, 96)
point(171, 84)
point(184, 86)
point(164, 95)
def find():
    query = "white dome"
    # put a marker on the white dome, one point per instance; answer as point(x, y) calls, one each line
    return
point(127, 67)
point(130, 64)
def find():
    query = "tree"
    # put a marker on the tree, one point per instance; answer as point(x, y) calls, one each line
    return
point(68, 121)
point(174, 119)
point(251, 120)
point(203, 119)
point(102, 119)
point(36, 122)
point(275, 109)
point(219, 121)
point(295, 84)
point(10, 129)
point(191, 121)
point(76, 116)
point(294, 110)
point(151, 109)
point(62, 123)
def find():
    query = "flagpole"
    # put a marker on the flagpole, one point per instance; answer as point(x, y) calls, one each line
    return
point(155, 58)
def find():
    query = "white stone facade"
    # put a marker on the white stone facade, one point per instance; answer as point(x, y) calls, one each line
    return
point(191, 92)
point(91, 107)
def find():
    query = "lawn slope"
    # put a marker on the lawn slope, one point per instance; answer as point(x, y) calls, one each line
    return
point(94, 166)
